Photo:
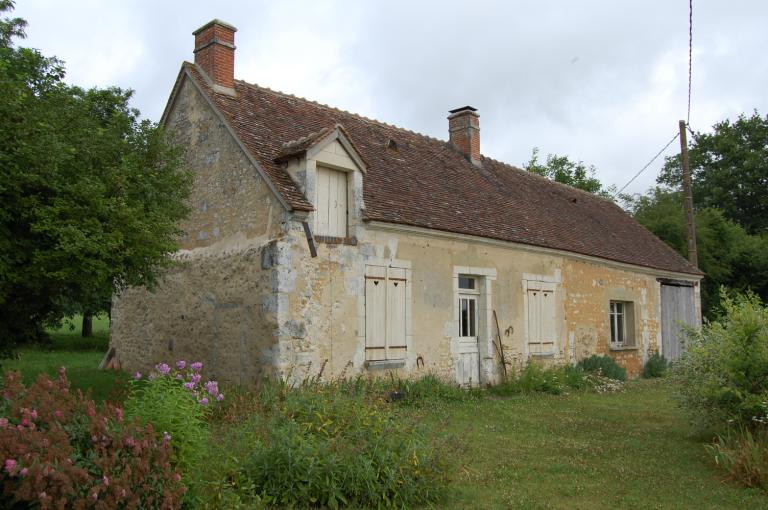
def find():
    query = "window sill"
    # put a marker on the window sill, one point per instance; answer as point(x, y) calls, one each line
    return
point(349, 241)
point(386, 364)
point(541, 354)
point(625, 348)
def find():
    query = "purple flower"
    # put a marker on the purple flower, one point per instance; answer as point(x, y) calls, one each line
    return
point(179, 377)
point(203, 401)
point(212, 387)
point(137, 376)
point(166, 437)
point(181, 364)
point(220, 397)
point(189, 385)
point(24, 471)
point(197, 366)
point(196, 378)
point(10, 465)
point(163, 368)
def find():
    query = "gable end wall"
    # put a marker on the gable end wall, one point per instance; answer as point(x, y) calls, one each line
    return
point(218, 304)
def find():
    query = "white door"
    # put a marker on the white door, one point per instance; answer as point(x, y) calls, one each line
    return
point(469, 353)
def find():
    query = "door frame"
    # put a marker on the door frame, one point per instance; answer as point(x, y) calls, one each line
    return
point(488, 368)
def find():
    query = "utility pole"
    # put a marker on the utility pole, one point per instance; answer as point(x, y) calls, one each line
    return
point(693, 255)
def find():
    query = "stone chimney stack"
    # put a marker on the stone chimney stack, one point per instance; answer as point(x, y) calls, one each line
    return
point(215, 53)
point(464, 130)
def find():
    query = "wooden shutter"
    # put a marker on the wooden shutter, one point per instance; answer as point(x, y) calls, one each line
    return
point(396, 345)
point(375, 313)
point(385, 310)
point(541, 317)
point(331, 207)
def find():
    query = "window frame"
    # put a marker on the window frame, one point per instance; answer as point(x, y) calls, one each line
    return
point(621, 324)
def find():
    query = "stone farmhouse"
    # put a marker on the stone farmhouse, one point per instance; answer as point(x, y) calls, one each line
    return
point(323, 243)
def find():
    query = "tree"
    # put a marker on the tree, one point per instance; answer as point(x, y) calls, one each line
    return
point(728, 255)
point(90, 195)
point(730, 171)
point(562, 169)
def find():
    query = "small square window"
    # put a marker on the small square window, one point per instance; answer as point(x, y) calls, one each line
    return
point(466, 282)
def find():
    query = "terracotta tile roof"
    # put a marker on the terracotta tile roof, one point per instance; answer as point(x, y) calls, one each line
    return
point(424, 182)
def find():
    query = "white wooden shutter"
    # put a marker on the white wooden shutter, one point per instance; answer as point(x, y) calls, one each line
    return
point(534, 320)
point(541, 317)
point(375, 313)
point(396, 282)
point(321, 207)
point(385, 311)
point(331, 207)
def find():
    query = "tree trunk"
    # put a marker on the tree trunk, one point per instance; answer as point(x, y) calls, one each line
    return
point(87, 324)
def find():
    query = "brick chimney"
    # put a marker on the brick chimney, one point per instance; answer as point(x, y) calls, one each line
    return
point(464, 130)
point(215, 53)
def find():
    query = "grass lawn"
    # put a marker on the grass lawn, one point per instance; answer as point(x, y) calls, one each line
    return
point(81, 357)
point(580, 451)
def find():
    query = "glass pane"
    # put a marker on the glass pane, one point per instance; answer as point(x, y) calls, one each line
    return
point(464, 319)
point(613, 326)
point(472, 328)
point(620, 327)
point(465, 282)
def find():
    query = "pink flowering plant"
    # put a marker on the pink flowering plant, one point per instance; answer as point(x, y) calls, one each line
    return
point(59, 450)
point(177, 401)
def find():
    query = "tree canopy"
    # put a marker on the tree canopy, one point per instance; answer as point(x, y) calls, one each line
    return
point(728, 255)
point(90, 194)
point(561, 169)
point(729, 167)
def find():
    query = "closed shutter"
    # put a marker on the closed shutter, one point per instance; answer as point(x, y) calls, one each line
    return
point(331, 207)
point(396, 313)
point(541, 317)
point(385, 313)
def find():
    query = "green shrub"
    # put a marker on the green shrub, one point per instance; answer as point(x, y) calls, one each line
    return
point(744, 455)
point(656, 366)
point(176, 403)
point(334, 445)
point(722, 378)
point(603, 365)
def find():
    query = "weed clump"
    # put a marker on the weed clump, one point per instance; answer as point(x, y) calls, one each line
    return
point(603, 365)
point(656, 366)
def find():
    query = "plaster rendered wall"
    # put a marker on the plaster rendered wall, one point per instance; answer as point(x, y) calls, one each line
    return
point(326, 305)
point(218, 305)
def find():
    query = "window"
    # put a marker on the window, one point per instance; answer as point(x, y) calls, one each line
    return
point(622, 324)
point(468, 294)
point(331, 205)
point(385, 308)
point(541, 317)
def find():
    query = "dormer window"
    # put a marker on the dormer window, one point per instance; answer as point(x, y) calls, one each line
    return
point(332, 202)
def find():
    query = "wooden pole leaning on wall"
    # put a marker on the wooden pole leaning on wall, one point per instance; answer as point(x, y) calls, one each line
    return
point(693, 255)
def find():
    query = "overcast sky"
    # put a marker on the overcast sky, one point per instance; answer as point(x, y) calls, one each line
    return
point(600, 81)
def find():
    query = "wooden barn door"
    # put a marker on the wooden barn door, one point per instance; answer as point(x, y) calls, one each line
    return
point(677, 309)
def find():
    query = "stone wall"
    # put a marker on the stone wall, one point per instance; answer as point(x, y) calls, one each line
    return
point(324, 323)
point(219, 304)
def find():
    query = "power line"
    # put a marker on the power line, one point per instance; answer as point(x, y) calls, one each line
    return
point(648, 164)
point(690, 56)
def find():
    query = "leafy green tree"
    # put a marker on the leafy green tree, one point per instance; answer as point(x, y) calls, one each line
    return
point(90, 195)
point(561, 169)
point(728, 255)
point(730, 171)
